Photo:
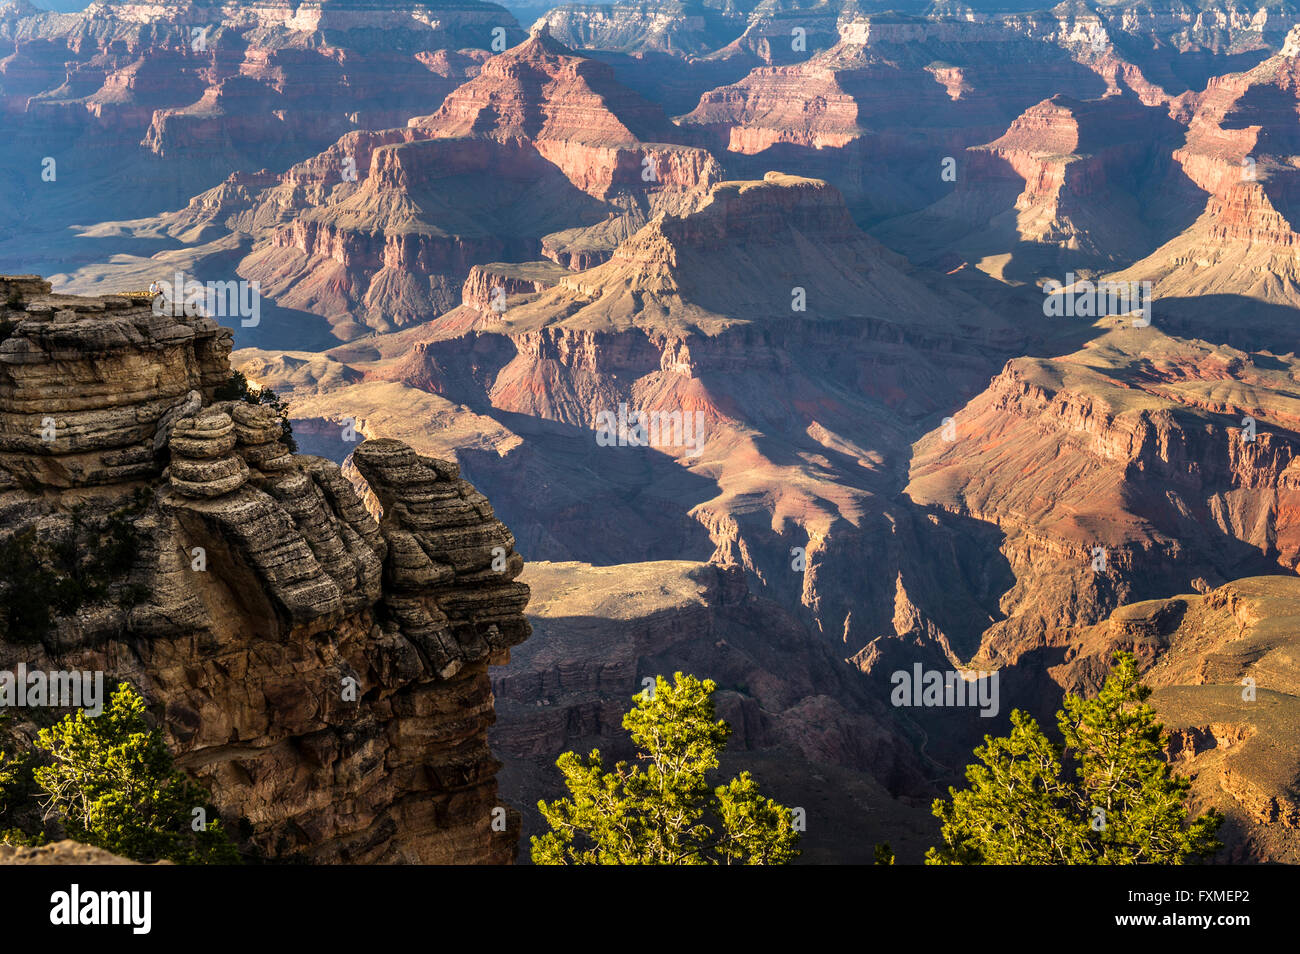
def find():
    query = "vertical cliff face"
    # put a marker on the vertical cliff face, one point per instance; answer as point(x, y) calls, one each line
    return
point(325, 674)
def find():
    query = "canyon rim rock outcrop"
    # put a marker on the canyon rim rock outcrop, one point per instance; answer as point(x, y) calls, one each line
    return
point(323, 673)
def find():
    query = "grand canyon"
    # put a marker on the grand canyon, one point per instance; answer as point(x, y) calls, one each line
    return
point(799, 347)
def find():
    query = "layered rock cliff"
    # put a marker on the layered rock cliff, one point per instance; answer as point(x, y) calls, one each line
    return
point(172, 97)
point(892, 97)
point(542, 155)
point(1138, 466)
point(323, 673)
point(1238, 260)
point(1071, 184)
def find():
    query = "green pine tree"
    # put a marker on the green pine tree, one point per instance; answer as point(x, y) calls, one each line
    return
point(112, 783)
point(1118, 803)
point(662, 811)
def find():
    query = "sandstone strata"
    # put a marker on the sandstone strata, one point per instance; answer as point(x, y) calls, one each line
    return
point(1234, 273)
point(893, 96)
point(1139, 466)
point(1070, 185)
point(325, 674)
point(692, 315)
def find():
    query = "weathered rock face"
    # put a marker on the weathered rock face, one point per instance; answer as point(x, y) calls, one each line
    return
point(609, 141)
point(325, 674)
point(762, 31)
point(543, 91)
point(89, 382)
point(813, 357)
point(490, 290)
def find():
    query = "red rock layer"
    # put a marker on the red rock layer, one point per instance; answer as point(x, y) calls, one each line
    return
point(1143, 453)
point(1240, 148)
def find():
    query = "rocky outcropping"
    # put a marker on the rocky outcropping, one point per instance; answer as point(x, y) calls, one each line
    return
point(323, 673)
point(69, 417)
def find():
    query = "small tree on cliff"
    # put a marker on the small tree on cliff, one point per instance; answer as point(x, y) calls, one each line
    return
point(111, 780)
point(662, 811)
point(1118, 805)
